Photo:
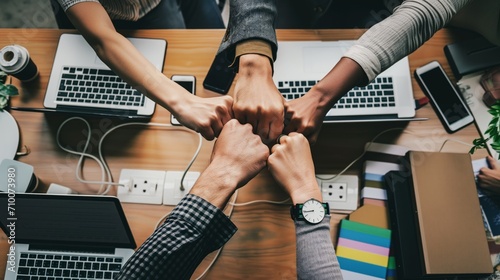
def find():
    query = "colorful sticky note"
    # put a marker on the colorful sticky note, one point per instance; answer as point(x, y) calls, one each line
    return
point(363, 250)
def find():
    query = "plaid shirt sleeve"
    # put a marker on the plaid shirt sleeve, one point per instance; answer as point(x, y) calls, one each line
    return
point(194, 229)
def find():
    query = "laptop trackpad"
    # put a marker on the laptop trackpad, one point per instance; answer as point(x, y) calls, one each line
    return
point(321, 59)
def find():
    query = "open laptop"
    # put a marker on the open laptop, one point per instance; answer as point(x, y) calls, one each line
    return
point(301, 64)
point(81, 83)
point(64, 236)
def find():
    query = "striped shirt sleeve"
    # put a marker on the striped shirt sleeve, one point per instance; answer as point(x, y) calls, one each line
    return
point(411, 24)
point(131, 10)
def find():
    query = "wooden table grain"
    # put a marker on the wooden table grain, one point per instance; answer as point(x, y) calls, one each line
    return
point(264, 246)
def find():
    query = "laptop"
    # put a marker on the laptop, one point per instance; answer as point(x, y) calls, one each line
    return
point(64, 236)
point(301, 64)
point(81, 83)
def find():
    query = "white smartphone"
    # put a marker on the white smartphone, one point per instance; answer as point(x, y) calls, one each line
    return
point(189, 83)
point(444, 97)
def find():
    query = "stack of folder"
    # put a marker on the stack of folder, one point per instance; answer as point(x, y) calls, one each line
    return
point(379, 159)
point(436, 218)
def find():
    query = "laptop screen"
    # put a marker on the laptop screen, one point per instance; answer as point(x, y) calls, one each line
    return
point(65, 220)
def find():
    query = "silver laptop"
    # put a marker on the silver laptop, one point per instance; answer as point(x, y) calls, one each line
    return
point(301, 64)
point(64, 236)
point(81, 83)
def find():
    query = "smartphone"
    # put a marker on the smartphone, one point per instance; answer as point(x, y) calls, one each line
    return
point(220, 76)
point(189, 83)
point(444, 96)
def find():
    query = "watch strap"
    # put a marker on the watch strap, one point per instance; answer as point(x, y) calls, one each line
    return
point(296, 211)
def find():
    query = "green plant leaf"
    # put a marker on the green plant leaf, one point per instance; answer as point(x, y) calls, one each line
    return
point(489, 129)
point(479, 141)
point(4, 100)
point(494, 113)
point(495, 147)
point(9, 90)
point(3, 77)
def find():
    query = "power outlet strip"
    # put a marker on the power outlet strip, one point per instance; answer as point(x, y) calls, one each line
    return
point(141, 186)
point(341, 193)
point(154, 186)
point(172, 192)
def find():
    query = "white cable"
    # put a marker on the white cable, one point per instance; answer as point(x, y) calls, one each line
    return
point(83, 154)
point(191, 162)
point(360, 156)
point(260, 201)
point(217, 254)
point(162, 219)
point(232, 203)
point(150, 124)
point(106, 176)
point(454, 140)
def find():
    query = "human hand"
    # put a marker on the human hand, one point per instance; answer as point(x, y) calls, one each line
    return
point(238, 155)
point(204, 115)
point(489, 178)
point(305, 115)
point(292, 166)
point(257, 101)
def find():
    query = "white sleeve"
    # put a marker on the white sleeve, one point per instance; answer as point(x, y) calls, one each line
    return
point(411, 24)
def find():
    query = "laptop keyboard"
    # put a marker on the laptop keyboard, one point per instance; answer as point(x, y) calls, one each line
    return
point(379, 93)
point(96, 86)
point(64, 267)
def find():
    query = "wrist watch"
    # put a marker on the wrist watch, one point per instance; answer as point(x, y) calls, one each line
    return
point(311, 211)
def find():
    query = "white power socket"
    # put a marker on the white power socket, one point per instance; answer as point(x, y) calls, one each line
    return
point(141, 186)
point(172, 192)
point(341, 192)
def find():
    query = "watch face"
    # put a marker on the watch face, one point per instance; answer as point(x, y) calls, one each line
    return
point(313, 211)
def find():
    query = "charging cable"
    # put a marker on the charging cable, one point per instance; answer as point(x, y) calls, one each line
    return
point(106, 176)
point(361, 155)
point(454, 140)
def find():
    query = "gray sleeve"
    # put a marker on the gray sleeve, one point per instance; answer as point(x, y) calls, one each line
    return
point(250, 20)
point(411, 24)
point(316, 257)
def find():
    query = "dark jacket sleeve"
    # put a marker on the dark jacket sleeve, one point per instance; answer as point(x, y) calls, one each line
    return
point(252, 19)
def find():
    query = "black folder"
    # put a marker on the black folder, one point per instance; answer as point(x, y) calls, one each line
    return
point(472, 56)
point(403, 225)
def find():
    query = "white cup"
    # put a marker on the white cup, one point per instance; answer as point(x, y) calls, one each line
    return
point(15, 60)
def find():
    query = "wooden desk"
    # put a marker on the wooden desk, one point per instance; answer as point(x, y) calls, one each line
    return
point(264, 246)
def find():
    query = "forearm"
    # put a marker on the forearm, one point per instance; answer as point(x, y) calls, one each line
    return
point(316, 257)
point(125, 60)
point(215, 185)
point(118, 53)
point(193, 230)
point(345, 75)
point(411, 24)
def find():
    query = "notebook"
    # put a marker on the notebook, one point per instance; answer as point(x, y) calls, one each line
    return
point(81, 83)
point(436, 218)
point(447, 206)
point(64, 236)
point(301, 64)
